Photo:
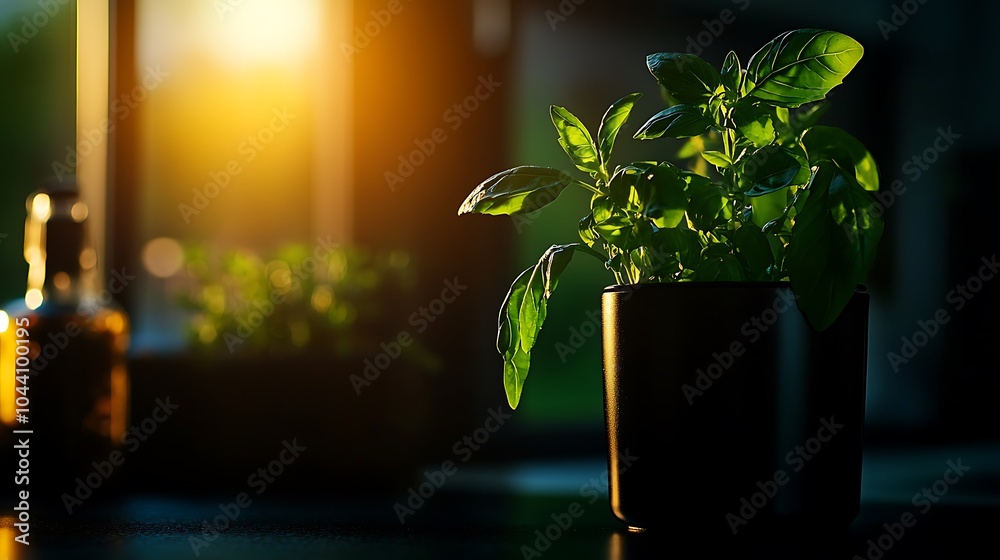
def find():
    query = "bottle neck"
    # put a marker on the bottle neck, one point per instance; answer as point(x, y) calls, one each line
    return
point(55, 249)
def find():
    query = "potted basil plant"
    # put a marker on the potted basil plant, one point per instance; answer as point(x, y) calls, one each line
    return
point(735, 331)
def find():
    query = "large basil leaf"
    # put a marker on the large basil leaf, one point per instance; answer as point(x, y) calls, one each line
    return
point(832, 246)
point(801, 66)
point(516, 191)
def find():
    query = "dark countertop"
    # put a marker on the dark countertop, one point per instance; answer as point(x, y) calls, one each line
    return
point(495, 512)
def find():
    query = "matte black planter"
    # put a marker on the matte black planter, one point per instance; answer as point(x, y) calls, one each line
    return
point(727, 412)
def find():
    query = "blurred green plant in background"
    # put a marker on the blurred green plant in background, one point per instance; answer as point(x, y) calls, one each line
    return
point(336, 302)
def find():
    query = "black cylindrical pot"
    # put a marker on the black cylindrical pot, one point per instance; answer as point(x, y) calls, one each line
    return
point(727, 412)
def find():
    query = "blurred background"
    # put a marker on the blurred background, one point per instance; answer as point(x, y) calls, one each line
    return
point(221, 144)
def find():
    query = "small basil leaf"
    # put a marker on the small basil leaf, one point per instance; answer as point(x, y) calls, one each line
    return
point(575, 139)
point(685, 77)
point(679, 121)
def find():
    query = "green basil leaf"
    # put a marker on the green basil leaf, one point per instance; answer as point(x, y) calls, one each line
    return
point(755, 123)
point(515, 371)
point(768, 207)
point(575, 139)
point(715, 251)
point(755, 250)
point(617, 227)
point(717, 159)
point(705, 204)
point(508, 335)
point(516, 360)
point(832, 246)
point(771, 168)
point(539, 288)
point(682, 243)
point(516, 191)
point(685, 77)
point(534, 308)
point(732, 75)
point(801, 66)
point(611, 123)
point(586, 230)
point(628, 187)
point(679, 121)
point(827, 143)
point(667, 198)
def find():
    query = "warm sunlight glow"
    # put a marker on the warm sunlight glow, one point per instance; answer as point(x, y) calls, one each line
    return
point(266, 30)
point(229, 120)
point(239, 34)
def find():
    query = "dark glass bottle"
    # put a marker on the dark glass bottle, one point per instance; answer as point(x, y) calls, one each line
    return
point(64, 384)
